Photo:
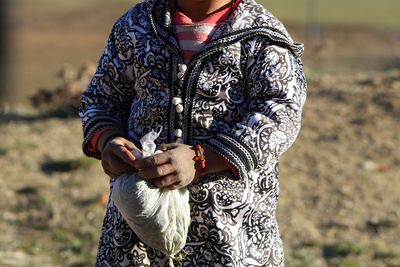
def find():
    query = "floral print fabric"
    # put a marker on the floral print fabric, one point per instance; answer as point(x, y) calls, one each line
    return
point(242, 97)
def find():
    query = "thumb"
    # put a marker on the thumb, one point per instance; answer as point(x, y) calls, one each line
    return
point(165, 147)
point(130, 146)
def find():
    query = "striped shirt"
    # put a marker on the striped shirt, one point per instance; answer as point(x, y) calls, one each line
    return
point(193, 36)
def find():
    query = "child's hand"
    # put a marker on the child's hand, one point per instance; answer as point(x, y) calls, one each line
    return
point(174, 168)
point(116, 157)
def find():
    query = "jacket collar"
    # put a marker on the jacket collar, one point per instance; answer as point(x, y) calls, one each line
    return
point(249, 19)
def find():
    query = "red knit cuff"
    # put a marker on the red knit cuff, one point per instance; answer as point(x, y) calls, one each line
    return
point(92, 147)
point(232, 168)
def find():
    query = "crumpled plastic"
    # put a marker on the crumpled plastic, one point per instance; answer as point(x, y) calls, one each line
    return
point(160, 217)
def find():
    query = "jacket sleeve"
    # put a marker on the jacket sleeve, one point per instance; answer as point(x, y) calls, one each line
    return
point(276, 92)
point(106, 101)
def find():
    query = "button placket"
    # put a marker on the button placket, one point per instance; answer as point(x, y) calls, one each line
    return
point(178, 104)
point(182, 68)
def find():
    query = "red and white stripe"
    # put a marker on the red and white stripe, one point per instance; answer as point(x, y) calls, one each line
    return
point(193, 36)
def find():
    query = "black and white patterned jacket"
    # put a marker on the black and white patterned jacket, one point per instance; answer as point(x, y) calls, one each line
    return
point(242, 97)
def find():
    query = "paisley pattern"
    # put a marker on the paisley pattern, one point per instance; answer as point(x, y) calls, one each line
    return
point(242, 97)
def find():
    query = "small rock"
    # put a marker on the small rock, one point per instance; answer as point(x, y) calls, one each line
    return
point(369, 165)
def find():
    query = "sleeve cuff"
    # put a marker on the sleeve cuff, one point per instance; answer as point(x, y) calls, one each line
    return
point(93, 129)
point(232, 168)
point(235, 151)
point(92, 146)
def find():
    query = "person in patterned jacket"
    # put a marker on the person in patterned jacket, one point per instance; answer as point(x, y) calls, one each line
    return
point(221, 74)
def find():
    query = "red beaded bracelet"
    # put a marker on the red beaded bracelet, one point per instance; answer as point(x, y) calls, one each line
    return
point(200, 157)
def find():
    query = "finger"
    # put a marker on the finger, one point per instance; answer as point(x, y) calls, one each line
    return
point(112, 175)
point(107, 169)
point(124, 154)
point(157, 172)
point(174, 186)
point(119, 166)
point(165, 147)
point(129, 145)
point(115, 168)
point(152, 161)
point(157, 182)
point(165, 181)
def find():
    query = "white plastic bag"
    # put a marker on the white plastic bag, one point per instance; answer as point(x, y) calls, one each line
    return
point(159, 217)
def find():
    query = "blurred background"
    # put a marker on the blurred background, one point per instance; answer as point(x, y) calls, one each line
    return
point(340, 181)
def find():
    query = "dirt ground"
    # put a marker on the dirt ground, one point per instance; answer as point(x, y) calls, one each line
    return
point(339, 204)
